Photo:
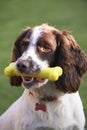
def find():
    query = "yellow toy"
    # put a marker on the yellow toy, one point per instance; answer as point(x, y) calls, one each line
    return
point(47, 73)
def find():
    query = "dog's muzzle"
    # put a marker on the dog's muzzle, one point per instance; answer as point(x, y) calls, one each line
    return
point(27, 66)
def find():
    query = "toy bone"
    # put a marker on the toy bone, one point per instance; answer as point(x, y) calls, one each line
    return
point(51, 73)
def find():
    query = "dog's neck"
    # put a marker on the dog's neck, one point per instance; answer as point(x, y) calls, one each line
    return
point(41, 104)
point(45, 92)
point(43, 95)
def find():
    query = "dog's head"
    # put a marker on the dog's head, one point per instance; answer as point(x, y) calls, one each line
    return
point(44, 46)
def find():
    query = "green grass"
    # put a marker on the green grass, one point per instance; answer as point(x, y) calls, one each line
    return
point(17, 14)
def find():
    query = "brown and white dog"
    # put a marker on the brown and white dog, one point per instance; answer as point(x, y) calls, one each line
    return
point(44, 104)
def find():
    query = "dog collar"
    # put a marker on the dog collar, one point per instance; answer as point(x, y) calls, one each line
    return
point(42, 104)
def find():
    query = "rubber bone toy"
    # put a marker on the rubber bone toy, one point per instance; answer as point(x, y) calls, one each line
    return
point(51, 73)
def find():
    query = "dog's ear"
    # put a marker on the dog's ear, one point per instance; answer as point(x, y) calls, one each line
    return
point(72, 60)
point(16, 53)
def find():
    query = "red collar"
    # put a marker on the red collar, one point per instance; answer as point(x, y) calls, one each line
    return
point(49, 99)
point(42, 105)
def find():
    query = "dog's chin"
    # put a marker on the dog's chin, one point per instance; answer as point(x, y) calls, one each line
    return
point(31, 83)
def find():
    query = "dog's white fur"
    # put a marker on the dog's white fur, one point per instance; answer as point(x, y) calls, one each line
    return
point(65, 113)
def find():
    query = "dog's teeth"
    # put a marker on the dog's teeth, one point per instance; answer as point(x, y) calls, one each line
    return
point(31, 80)
point(28, 80)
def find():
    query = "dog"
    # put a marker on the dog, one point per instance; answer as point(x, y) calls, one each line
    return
point(46, 105)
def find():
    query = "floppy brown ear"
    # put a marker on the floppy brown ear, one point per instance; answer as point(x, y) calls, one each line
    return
point(73, 61)
point(16, 53)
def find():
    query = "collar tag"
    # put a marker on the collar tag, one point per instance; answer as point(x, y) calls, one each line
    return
point(40, 106)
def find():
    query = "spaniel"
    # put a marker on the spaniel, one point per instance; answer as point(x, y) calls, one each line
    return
point(47, 105)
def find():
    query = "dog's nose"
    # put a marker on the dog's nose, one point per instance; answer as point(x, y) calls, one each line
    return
point(22, 65)
point(27, 66)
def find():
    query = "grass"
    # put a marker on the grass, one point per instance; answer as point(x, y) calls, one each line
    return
point(15, 15)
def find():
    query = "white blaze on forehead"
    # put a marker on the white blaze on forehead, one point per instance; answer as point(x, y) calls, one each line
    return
point(37, 32)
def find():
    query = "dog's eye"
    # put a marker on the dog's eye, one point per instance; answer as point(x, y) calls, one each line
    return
point(44, 48)
point(23, 46)
point(24, 43)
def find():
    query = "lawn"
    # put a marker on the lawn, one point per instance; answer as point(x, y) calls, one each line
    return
point(17, 14)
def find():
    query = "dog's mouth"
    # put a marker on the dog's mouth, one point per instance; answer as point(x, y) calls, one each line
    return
point(32, 81)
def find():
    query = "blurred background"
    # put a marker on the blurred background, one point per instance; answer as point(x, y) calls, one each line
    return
point(17, 14)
